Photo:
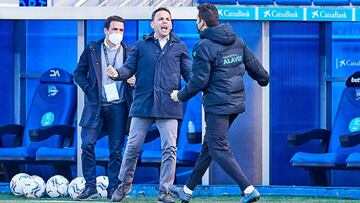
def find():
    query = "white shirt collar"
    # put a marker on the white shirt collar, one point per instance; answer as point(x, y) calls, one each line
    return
point(111, 48)
point(162, 41)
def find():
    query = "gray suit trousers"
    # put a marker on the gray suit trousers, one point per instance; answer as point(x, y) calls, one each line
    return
point(168, 135)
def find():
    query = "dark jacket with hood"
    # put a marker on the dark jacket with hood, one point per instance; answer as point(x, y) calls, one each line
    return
point(220, 61)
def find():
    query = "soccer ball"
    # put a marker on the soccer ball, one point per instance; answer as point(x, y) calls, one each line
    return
point(17, 182)
point(76, 186)
point(102, 183)
point(34, 187)
point(57, 186)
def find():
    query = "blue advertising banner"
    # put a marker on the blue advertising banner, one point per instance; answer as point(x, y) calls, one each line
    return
point(288, 14)
point(32, 3)
point(357, 14)
point(345, 49)
point(329, 14)
point(236, 13)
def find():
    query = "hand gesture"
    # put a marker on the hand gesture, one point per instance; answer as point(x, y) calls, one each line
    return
point(174, 96)
point(111, 72)
point(132, 81)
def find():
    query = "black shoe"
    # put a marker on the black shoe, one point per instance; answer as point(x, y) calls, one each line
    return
point(251, 197)
point(184, 197)
point(88, 193)
point(110, 192)
point(120, 193)
point(165, 197)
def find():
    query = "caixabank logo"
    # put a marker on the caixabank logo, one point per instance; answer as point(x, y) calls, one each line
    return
point(234, 13)
point(347, 63)
point(296, 14)
point(329, 14)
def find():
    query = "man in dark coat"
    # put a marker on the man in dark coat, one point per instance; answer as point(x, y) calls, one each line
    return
point(158, 63)
point(106, 103)
point(220, 61)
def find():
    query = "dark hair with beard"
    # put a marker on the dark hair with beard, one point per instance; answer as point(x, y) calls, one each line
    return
point(209, 14)
point(113, 18)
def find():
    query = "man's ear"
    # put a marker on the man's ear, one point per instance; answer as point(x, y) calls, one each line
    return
point(203, 23)
point(152, 24)
point(105, 31)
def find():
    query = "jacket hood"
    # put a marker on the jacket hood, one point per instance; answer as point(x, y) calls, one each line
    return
point(223, 34)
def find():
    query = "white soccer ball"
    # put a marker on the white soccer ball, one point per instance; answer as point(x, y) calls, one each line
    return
point(102, 183)
point(57, 186)
point(34, 187)
point(76, 186)
point(17, 182)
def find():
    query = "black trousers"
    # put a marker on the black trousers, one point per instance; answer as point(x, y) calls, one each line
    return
point(113, 121)
point(216, 147)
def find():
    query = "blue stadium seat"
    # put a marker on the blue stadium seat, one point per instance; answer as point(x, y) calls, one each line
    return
point(355, 2)
point(62, 158)
point(346, 121)
point(49, 122)
point(188, 147)
point(150, 159)
point(217, 1)
point(256, 2)
point(102, 152)
point(352, 139)
point(294, 2)
point(151, 154)
point(187, 153)
point(331, 2)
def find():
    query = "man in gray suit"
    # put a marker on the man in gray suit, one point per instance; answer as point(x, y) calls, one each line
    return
point(158, 63)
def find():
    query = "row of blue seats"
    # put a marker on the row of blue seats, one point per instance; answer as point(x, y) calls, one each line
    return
point(49, 135)
point(339, 147)
point(284, 2)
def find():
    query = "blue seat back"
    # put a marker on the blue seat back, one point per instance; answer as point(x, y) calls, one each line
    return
point(103, 142)
point(192, 113)
point(347, 117)
point(53, 103)
point(155, 144)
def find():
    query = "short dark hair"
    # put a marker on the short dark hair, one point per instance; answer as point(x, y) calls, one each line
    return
point(157, 10)
point(113, 18)
point(209, 14)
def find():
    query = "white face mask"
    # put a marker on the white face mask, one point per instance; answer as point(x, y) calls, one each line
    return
point(116, 38)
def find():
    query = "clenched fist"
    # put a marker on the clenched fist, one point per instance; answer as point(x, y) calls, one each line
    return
point(174, 96)
point(111, 72)
point(132, 81)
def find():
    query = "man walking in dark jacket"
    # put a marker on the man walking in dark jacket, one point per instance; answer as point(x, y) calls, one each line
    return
point(106, 103)
point(158, 63)
point(220, 61)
